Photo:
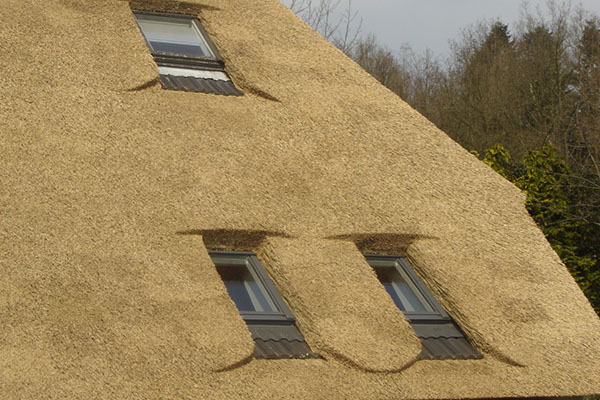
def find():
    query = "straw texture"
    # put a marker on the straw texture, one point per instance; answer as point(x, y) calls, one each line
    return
point(340, 303)
point(114, 190)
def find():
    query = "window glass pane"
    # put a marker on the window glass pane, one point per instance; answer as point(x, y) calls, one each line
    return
point(233, 276)
point(402, 290)
point(243, 286)
point(173, 35)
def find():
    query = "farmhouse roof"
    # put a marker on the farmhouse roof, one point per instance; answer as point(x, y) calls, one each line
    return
point(114, 189)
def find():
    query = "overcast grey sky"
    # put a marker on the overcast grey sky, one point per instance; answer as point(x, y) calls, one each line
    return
point(431, 23)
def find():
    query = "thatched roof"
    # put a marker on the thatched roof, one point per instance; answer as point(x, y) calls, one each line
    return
point(112, 190)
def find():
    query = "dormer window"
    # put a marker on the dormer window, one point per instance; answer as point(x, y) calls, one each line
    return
point(250, 288)
point(268, 318)
point(175, 36)
point(186, 57)
point(407, 290)
point(441, 338)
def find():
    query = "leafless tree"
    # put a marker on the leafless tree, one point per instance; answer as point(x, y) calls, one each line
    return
point(341, 26)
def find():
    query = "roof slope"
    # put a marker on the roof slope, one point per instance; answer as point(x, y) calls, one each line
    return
point(112, 190)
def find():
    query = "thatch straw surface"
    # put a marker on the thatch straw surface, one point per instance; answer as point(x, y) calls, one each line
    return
point(112, 190)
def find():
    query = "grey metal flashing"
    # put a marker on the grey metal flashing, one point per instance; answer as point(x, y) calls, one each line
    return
point(282, 349)
point(448, 349)
point(279, 342)
point(444, 342)
point(448, 330)
point(202, 85)
point(275, 332)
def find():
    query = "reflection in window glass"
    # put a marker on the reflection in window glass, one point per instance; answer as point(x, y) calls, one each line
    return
point(244, 288)
point(173, 35)
point(402, 290)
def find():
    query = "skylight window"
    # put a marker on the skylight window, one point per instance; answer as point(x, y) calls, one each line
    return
point(250, 288)
point(174, 35)
point(186, 57)
point(440, 336)
point(406, 289)
point(268, 318)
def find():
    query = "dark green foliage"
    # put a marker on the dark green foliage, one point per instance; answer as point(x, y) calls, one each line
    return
point(498, 158)
point(547, 182)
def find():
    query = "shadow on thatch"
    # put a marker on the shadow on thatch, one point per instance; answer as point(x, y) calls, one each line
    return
point(232, 239)
point(146, 85)
point(260, 93)
point(171, 6)
point(239, 364)
point(381, 243)
point(343, 359)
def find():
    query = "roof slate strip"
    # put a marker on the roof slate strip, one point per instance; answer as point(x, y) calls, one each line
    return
point(448, 349)
point(275, 332)
point(444, 342)
point(278, 349)
point(279, 341)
